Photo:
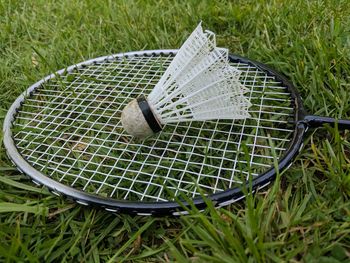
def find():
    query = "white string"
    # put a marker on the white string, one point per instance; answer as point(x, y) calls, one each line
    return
point(72, 133)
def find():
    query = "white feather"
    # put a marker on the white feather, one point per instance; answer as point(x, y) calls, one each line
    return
point(199, 84)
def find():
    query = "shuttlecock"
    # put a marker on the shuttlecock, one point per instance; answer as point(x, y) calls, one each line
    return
point(199, 85)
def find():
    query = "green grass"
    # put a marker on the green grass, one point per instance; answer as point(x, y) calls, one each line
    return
point(304, 216)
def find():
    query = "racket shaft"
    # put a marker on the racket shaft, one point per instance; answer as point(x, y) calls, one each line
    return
point(317, 121)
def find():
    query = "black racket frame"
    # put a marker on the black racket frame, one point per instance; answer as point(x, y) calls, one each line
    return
point(302, 121)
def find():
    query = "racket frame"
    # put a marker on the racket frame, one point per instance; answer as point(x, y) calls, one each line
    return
point(301, 119)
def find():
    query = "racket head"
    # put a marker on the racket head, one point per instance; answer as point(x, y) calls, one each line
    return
point(248, 134)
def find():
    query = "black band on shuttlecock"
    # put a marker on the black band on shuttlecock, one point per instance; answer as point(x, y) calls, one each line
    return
point(148, 114)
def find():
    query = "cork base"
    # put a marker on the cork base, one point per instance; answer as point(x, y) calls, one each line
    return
point(134, 122)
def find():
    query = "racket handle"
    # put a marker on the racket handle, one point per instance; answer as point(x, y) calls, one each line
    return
point(317, 121)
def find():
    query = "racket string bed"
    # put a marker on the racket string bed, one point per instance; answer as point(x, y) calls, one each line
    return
point(258, 121)
point(69, 129)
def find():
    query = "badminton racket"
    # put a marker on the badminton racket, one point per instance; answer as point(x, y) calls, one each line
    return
point(65, 133)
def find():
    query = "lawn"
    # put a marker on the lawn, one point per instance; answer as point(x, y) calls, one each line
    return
point(303, 217)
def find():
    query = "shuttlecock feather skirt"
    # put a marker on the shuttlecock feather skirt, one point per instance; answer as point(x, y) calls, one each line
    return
point(199, 84)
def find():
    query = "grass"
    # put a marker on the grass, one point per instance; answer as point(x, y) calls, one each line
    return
point(303, 217)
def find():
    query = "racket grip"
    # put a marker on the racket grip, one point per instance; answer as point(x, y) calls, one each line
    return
point(314, 121)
